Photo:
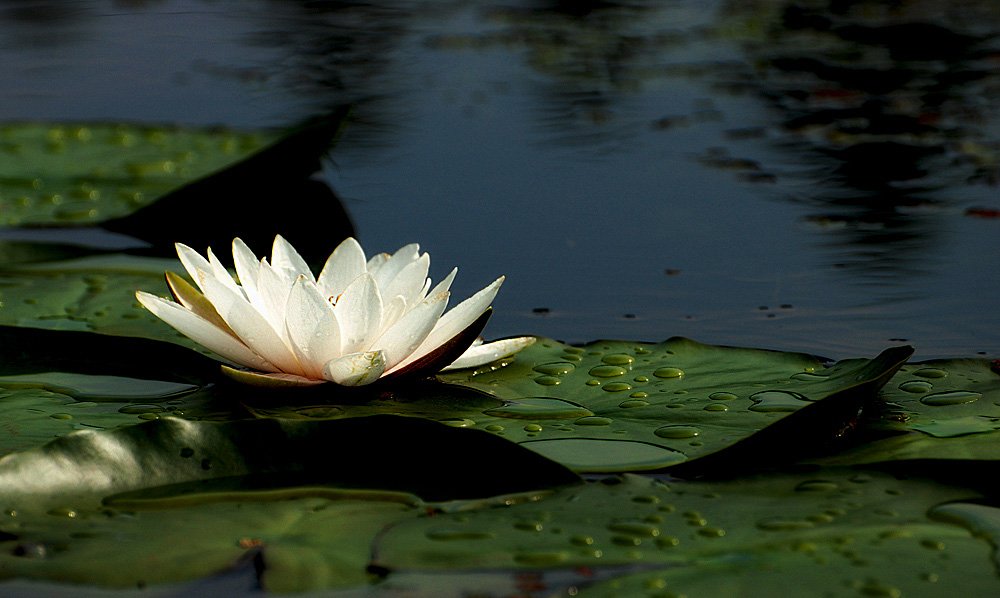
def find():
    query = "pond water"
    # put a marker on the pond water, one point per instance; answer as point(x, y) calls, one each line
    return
point(781, 177)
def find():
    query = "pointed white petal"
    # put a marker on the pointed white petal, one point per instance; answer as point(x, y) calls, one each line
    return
point(444, 285)
point(344, 266)
point(400, 340)
point(203, 332)
point(486, 352)
point(220, 272)
point(356, 369)
point(312, 327)
point(250, 325)
point(247, 268)
point(195, 302)
point(286, 258)
point(376, 262)
point(456, 320)
point(395, 264)
point(359, 313)
point(192, 261)
point(409, 281)
point(273, 289)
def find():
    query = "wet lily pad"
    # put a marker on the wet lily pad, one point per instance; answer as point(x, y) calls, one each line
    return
point(95, 293)
point(669, 403)
point(305, 543)
point(941, 410)
point(834, 532)
point(58, 174)
point(170, 457)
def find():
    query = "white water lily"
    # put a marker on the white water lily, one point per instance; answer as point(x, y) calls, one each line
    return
point(358, 321)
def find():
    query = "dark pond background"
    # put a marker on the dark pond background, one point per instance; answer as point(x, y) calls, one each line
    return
point(799, 176)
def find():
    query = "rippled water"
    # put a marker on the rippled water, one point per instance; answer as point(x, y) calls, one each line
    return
point(787, 177)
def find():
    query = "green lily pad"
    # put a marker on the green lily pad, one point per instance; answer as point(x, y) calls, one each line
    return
point(169, 457)
point(670, 403)
point(57, 174)
point(306, 543)
point(934, 410)
point(95, 293)
point(834, 533)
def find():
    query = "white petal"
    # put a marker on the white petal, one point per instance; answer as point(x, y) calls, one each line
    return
point(312, 327)
point(247, 268)
point(221, 273)
point(456, 320)
point(286, 258)
point(273, 289)
point(409, 281)
point(401, 340)
point(486, 352)
point(376, 262)
point(356, 369)
point(204, 333)
point(359, 313)
point(395, 264)
point(345, 264)
point(250, 325)
point(392, 312)
point(192, 261)
point(445, 284)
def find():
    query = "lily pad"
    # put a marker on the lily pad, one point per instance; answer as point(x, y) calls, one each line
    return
point(171, 457)
point(681, 399)
point(95, 293)
point(305, 543)
point(59, 174)
point(833, 533)
point(934, 410)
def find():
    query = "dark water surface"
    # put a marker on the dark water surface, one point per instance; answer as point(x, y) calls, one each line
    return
point(798, 176)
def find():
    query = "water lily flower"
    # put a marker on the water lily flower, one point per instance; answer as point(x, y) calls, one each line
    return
point(359, 321)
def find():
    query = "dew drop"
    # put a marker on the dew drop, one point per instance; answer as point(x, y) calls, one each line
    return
point(931, 373)
point(607, 371)
point(677, 432)
point(641, 530)
point(776, 401)
point(532, 428)
point(548, 380)
point(916, 386)
point(632, 403)
point(558, 368)
point(456, 422)
point(639, 395)
point(617, 386)
point(61, 416)
point(539, 408)
point(717, 407)
point(955, 397)
point(594, 421)
point(722, 396)
point(782, 524)
point(618, 359)
point(807, 377)
point(668, 372)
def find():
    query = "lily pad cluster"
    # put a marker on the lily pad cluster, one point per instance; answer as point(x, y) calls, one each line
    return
point(614, 468)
